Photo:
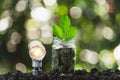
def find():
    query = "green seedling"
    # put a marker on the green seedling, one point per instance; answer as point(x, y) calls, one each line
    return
point(64, 30)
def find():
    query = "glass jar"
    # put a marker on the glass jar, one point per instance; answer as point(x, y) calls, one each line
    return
point(63, 55)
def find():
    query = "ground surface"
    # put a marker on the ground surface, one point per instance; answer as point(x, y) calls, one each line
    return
point(77, 75)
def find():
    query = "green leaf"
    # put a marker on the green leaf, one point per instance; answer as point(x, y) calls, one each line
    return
point(57, 31)
point(65, 23)
point(71, 33)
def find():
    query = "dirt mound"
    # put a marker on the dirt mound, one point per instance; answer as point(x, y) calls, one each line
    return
point(94, 74)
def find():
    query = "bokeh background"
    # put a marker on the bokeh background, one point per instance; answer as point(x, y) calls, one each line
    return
point(23, 21)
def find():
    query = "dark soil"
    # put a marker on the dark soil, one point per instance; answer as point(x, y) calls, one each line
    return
point(77, 75)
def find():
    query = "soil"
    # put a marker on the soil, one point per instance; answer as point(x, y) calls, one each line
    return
point(94, 74)
point(63, 60)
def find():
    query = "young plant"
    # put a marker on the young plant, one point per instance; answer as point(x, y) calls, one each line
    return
point(64, 30)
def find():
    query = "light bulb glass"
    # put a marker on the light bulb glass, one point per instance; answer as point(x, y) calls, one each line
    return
point(37, 51)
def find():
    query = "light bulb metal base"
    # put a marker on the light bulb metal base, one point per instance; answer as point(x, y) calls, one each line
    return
point(36, 71)
point(36, 67)
point(36, 63)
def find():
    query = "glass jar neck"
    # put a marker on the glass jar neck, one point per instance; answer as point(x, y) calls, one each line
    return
point(58, 43)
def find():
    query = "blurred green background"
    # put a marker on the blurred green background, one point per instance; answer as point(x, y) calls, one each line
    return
point(23, 21)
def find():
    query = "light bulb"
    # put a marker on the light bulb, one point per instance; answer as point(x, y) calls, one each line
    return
point(37, 52)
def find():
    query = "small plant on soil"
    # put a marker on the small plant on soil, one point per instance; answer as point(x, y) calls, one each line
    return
point(63, 57)
point(64, 30)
